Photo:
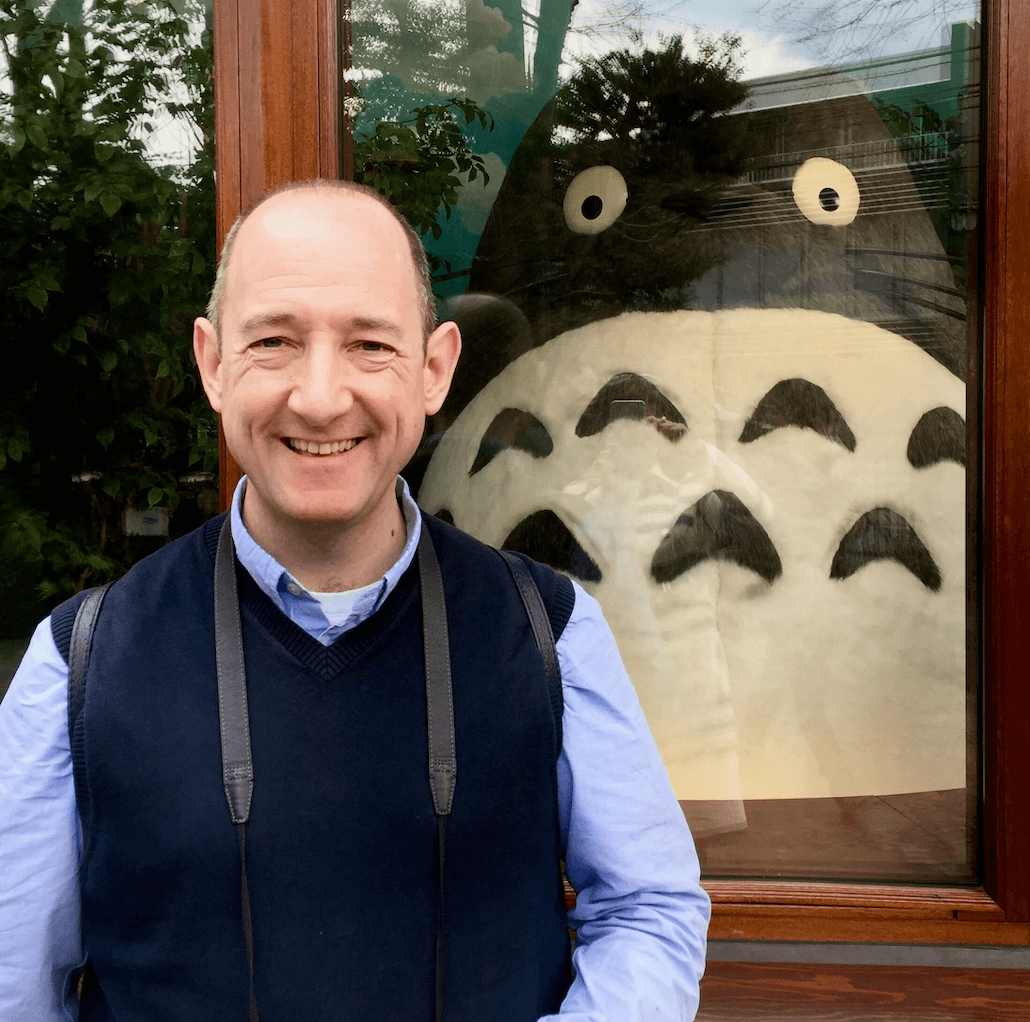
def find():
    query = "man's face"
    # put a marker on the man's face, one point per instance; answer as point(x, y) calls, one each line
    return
point(322, 382)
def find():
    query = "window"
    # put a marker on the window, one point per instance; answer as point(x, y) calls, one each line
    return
point(969, 888)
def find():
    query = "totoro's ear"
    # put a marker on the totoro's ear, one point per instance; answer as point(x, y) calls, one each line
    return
point(443, 347)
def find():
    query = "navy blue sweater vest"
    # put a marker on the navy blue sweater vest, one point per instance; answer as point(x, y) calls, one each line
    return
point(341, 843)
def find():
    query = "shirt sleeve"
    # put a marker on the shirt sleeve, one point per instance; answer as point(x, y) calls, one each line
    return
point(40, 841)
point(641, 915)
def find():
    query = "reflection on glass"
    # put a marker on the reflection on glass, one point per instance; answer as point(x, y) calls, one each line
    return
point(713, 290)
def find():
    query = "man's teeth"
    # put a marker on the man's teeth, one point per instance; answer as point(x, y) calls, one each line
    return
point(310, 447)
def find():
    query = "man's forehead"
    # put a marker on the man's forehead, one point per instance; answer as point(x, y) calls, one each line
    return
point(315, 230)
point(313, 214)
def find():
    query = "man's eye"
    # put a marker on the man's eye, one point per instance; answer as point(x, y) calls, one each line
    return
point(270, 342)
point(373, 346)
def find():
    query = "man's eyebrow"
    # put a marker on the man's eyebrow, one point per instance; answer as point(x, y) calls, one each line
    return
point(373, 323)
point(269, 319)
point(280, 319)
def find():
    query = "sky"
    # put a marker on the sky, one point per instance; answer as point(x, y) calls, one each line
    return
point(773, 32)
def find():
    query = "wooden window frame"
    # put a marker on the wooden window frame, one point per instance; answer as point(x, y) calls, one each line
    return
point(276, 79)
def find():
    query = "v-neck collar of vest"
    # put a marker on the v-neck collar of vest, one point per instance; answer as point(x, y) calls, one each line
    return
point(327, 662)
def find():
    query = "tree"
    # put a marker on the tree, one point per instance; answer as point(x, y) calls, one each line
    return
point(655, 115)
point(106, 260)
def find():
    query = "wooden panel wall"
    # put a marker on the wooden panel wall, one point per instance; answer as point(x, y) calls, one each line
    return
point(739, 992)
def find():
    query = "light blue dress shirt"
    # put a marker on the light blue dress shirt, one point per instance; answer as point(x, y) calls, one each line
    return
point(640, 916)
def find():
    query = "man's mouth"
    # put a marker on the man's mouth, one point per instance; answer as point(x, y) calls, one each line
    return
point(320, 449)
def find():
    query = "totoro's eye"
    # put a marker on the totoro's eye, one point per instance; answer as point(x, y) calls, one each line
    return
point(595, 200)
point(826, 192)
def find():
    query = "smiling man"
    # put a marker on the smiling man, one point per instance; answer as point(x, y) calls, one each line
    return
point(322, 370)
point(405, 777)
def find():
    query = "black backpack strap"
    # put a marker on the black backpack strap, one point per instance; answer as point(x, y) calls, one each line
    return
point(542, 633)
point(79, 648)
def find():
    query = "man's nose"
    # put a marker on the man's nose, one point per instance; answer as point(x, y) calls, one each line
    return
point(321, 387)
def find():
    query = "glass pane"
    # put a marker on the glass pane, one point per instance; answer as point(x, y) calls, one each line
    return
point(714, 270)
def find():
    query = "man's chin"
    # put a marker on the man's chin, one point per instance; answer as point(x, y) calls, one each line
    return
point(320, 513)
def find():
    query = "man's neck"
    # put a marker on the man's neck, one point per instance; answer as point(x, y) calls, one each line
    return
point(332, 558)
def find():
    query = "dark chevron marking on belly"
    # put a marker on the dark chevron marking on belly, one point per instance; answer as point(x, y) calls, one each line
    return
point(629, 396)
point(798, 403)
point(717, 527)
point(884, 535)
point(546, 538)
point(512, 428)
point(940, 435)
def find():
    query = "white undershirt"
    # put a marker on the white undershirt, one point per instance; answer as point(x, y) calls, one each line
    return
point(338, 606)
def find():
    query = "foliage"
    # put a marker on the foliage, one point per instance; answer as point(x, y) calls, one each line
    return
point(663, 103)
point(420, 164)
point(106, 261)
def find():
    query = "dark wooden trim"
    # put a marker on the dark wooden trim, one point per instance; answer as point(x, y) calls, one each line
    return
point(1006, 427)
point(227, 113)
point(328, 95)
point(921, 902)
point(777, 910)
point(276, 110)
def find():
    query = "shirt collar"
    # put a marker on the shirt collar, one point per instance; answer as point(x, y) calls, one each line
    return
point(279, 585)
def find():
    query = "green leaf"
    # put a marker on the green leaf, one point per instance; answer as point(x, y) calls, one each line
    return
point(15, 449)
point(112, 486)
point(112, 132)
point(18, 139)
point(199, 263)
point(37, 295)
point(105, 436)
point(74, 68)
point(108, 360)
point(155, 495)
point(93, 190)
point(102, 152)
point(111, 203)
point(79, 333)
point(162, 370)
point(62, 342)
point(37, 136)
point(24, 198)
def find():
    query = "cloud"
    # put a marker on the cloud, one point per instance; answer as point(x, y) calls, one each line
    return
point(448, 47)
point(493, 74)
point(770, 55)
point(487, 26)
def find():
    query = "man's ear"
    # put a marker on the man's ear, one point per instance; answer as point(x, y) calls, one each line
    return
point(442, 350)
point(209, 360)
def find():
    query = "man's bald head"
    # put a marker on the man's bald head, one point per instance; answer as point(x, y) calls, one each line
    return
point(419, 262)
